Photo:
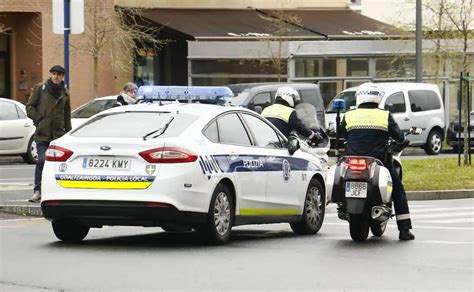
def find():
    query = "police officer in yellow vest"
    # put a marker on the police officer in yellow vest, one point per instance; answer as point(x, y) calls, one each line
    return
point(367, 130)
point(284, 117)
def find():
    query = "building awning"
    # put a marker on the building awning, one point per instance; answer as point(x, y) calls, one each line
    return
point(255, 24)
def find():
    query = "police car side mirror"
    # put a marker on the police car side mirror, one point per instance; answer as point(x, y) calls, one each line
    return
point(293, 144)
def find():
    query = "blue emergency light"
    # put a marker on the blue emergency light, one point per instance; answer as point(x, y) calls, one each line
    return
point(338, 104)
point(184, 93)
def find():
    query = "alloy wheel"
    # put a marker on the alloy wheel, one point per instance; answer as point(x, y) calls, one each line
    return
point(222, 213)
point(313, 206)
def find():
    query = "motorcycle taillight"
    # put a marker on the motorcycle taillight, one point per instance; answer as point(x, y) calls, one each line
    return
point(357, 164)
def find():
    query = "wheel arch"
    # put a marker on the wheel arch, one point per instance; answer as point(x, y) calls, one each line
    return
point(439, 129)
point(319, 177)
point(230, 185)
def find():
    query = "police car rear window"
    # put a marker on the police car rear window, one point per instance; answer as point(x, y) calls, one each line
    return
point(135, 125)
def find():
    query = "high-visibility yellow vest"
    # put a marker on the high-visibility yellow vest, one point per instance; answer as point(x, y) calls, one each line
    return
point(367, 118)
point(278, 111)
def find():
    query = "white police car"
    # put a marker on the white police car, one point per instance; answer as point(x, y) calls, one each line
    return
point(199, 166)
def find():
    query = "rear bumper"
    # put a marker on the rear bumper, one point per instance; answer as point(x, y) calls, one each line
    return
point(125, 213)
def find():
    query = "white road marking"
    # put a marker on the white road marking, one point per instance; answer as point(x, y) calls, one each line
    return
point(462, 220)
point(442, 209)
point(414, 226)
point(416, 216)
point(18, 220)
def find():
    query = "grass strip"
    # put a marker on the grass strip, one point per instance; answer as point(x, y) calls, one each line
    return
point(437, 174)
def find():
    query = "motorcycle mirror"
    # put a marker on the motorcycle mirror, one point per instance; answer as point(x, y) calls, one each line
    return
point(293, 144)
point(415, 130)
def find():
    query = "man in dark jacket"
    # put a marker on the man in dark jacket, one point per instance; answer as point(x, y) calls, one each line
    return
point(49, 107)
point(283, 116)
point(367, 130)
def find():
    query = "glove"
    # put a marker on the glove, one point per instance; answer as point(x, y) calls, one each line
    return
point(406, 143)
point(316, 139)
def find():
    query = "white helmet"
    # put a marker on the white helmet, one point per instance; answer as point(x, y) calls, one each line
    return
point(368, 92)
point(288, 94)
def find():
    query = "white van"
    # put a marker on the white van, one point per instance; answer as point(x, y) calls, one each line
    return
point(411, 104)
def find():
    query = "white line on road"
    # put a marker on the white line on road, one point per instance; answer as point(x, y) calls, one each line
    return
point(421, 210)
point(460, 214)
point(462, 220)
point(414, 226)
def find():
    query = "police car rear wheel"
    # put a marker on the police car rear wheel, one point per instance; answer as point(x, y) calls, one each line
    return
point(220, 217)
point(314, 208)
point(69, 231)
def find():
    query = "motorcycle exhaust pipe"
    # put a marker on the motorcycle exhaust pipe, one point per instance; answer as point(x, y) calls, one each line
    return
point(381, 213)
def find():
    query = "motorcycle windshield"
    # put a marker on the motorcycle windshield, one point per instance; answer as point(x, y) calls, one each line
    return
point(306, 112)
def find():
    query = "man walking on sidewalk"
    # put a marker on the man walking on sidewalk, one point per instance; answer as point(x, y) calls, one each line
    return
point(49, 106)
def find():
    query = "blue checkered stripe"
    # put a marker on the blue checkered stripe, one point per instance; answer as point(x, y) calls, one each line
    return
point(370, 92)
point(213, 164)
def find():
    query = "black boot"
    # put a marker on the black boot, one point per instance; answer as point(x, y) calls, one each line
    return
point(405, 234)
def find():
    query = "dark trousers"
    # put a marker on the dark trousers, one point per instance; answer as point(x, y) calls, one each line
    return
point(399, 197)
point(41, 147)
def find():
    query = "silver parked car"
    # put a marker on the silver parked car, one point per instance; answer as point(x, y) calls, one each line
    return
point(16, 131)
point(411, 104)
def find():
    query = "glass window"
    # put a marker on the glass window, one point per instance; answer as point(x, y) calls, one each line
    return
point(21, 114)
point(216, 81)
point(329, 90)
point(395, 103)
point(263, 99)
point(357, 67)
point(93, 107)
point(225, 66)
point(232, 131)
point(315, 67)
point(135, 125)
point(348, 97)
point(423, 100)
point(8, 111)
point(312, 97)
point(263, 134)
point(395, 67)
point(211, 132)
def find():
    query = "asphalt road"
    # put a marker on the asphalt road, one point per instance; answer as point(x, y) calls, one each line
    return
point(14, 171)
point(263, 257)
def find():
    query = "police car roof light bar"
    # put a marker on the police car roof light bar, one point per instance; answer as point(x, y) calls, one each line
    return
point(183, 93)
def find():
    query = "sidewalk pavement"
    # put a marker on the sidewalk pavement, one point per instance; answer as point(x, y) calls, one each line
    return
point(14, 198)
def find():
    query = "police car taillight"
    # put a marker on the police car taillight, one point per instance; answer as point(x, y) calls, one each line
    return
point(357, 164)
point(168, 155)
point(56, 153)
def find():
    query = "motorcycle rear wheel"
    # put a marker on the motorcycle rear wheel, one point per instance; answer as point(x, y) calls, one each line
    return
point(359, 226)
point(378, 228)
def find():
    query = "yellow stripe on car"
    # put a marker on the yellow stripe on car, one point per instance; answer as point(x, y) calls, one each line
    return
point(263, 212)
point(103, 184)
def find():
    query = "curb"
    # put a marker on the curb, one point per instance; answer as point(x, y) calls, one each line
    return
point(22, 210)
point(35, 210)
point(439, 195)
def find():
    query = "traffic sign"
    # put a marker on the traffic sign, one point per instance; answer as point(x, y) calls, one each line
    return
point(77, 16)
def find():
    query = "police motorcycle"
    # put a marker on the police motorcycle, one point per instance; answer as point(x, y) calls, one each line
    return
point(362, 189)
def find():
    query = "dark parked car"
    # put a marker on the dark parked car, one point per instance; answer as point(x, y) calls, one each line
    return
point(454, 130)
point(257, 96)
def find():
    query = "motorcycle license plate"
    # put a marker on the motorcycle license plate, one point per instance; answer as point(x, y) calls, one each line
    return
point(356, 189)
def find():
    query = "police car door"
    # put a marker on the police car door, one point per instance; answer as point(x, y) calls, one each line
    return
point(282, 188)
point(245, 161)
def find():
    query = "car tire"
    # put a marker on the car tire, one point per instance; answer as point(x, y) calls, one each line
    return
point(31, 155)
point(69, 231)
point(434, 143)
point(220, 217)
point(313, 212)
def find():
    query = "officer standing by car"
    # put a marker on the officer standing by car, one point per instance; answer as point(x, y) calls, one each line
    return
point(49, 106)
point(367, 130)
point(283, 116)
